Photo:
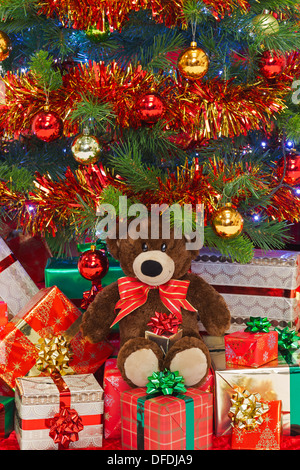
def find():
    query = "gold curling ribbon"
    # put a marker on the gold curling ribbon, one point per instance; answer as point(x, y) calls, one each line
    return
point(246, 410)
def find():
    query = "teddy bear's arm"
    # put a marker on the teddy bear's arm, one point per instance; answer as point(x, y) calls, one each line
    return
point(100, 314)
point(214, 313)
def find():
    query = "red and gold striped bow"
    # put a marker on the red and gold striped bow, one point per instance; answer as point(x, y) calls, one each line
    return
point(134, 293)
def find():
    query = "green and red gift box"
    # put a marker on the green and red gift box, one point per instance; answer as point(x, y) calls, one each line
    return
point(183, 421)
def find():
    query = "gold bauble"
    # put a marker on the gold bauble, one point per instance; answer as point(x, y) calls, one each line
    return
point(227, 222)
point(5, 46)
point(265, 23)
point(86, 149)
point(193, 63)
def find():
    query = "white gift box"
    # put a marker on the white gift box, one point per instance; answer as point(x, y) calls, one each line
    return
point(16, 286)
point(37, 400)
point(268, 286)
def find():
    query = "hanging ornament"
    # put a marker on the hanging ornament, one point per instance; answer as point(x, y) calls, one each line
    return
point(97, 35)
point(227, 222)
point(92, 265)
point(265, 23)
point(5, 46)
point(193, 62)
point(272, 64)
point(86, 148)
point(150, 107)
point(292, 169)
point(47, 125)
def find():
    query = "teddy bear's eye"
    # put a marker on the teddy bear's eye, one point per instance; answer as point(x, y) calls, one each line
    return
point(144, 247)
point(163, 247)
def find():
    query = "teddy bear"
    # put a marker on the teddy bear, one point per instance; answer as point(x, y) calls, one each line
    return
point(157, 279)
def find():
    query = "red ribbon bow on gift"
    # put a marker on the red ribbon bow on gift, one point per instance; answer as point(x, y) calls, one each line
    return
point(65, 427)
point(163, 323)
point(134, 293)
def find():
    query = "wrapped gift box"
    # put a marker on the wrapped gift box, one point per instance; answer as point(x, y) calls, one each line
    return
point(16, 286)
point(39, 399)
point(3, 313)
point(7, 411)
point(64, 274)
point(167, 422)
point(113, 386)
point(268, 286)
point(265, 436)
point(277, 380)
point(49, 314)
point(251, 349)
point(165, 341)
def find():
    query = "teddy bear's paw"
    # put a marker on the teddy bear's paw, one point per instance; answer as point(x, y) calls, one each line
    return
point(138, 359)
point(190, 358)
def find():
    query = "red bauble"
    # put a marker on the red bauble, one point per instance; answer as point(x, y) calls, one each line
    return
point(272, 64)
point(150, 108)
point(292, 172)
point(93, 264)
point(47, 126)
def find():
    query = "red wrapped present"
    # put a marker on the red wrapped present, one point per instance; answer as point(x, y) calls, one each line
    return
point(251, 349)
point(44, 337)
point(113, 386)
point(256, 424)
point(167, 422)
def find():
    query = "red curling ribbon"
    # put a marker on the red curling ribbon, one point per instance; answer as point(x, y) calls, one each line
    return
point(89, 295)
point(134, 293)
point(66, 424)
point(163, 323)
point(6, 262)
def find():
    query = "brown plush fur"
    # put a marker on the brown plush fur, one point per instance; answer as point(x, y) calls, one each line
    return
point(212, 309)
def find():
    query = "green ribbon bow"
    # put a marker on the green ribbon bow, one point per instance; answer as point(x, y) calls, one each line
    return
point(166, 382)
point(287, 339)
point(258, 324)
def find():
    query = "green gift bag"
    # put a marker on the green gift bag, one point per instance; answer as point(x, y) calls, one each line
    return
point(7, 411)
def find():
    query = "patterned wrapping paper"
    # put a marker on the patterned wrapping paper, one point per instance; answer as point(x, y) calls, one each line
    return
point(167, 422)
point(277, 380)
point(38, 400)
point(16, 286)
point(48, 313)
point(268, 286)
point(265, 436)
point(113, 385)
point(251, 349)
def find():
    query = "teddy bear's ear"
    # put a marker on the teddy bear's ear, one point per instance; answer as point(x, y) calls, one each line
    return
point(113, 247)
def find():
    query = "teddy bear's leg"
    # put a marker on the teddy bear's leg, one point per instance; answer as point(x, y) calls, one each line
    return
point(138, 358)
point(190, 357)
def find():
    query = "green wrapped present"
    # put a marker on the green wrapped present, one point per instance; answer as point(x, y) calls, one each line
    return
point(64, 274)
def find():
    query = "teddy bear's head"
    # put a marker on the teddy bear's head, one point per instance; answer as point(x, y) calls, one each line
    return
point(153, 260)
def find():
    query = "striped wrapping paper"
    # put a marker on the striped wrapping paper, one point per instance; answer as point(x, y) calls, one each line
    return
point(167, 422)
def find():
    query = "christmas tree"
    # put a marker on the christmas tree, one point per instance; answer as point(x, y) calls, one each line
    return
point(164, 102)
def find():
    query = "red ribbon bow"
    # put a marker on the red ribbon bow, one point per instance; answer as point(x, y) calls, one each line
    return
point(65, 426)
point(134, 293)
point(162, 323)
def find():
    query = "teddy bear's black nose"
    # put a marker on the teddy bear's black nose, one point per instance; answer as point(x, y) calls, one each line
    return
point(151, 268)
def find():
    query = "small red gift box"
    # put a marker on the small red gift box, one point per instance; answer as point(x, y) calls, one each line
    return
point(113, 386)
point(251, 349)
point(265, 436)
point(49, 314)
point(167, 422)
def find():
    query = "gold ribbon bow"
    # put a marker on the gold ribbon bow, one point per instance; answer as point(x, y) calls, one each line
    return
point(246, 410)
point(54, 355)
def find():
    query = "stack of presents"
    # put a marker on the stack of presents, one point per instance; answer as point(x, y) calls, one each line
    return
point(58, 391)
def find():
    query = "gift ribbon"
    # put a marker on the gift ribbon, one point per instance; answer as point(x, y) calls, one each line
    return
point(261, 291)
point(134, 293)
point(165, 382)
point(162, 323)
point(7, 261)
point(258, 325)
